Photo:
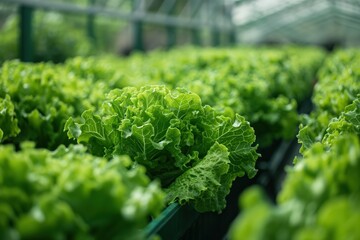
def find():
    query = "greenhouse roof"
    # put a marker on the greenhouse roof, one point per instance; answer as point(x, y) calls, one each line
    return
point(297, 20)
point(181, 13)
point(303, 21)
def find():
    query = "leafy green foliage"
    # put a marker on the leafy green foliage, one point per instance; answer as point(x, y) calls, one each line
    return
point(348, 122)
point(98, 69)
point(71, 194)
point(171, 133)
point(40, 101)
point(8, 121)
point(253, 202)
point(264, 85)
point(8, 41)
point(43, 96)
point(330, 99)
point(206, 184)
point(319, 198)
point(320, 194)
point(174, 136)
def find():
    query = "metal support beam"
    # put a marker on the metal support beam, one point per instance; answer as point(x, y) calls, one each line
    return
point(90, 24)
point(293, 8)
point(322, 21)
point(137, 28)
point(195, 37)
point(215, 37)
point(349, 21)
point(171, 36)
point(195, 7)
point(232, 37)
point(26, 36)
point(282, 23)
point(195, 33)
point(306, 18)
point(170, 8)
point(167, 6)
point(350, 9)
point(215, 34)
point(155, 18)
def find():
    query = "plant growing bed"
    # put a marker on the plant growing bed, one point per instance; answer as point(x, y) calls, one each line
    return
point(319, 196)
point(194, 142)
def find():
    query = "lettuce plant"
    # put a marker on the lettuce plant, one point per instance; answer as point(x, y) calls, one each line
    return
point(70, 194)
point(195, 151)
point(320, 194)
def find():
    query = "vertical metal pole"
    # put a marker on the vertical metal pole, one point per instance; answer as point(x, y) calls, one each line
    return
point(195, 33)
point(171, 36)
point(26, 37)
point(171, 30)
point(232, 31)
point(232, 36)
point(215, 34)
point(90, 24)
point(137, 28)
point(195, 37)
point(215, 37)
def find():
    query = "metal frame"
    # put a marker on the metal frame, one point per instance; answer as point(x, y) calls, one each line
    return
point(299, 18)
point(214, 16)
point(273, 15)
point(136, 15)
point(323, 20)
point(196, 16)
point(25, 36)
point(284, 18)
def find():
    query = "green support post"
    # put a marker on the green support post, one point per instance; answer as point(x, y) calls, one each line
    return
point(137, 29)
point(138, 35)
point(170, 30)
point(195, 37)
point(215, 37)
point(90, 24)
point(215, 34)
point(25, 35)
point(171, 36)
point(232, 37)
point(195, 33)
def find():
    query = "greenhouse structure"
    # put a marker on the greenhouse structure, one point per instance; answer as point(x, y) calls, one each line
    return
point(179, 119)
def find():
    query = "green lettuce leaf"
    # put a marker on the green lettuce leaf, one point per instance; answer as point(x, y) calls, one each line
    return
point(8, 121)
point(206, 184)
point(68, 193)
point(338, 87)
point(168, 132)
point(319, 198)
point(347, 123)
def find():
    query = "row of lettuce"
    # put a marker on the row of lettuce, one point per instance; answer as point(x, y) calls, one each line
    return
point(264, 85)
point(320, 195)
point(95, 147)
